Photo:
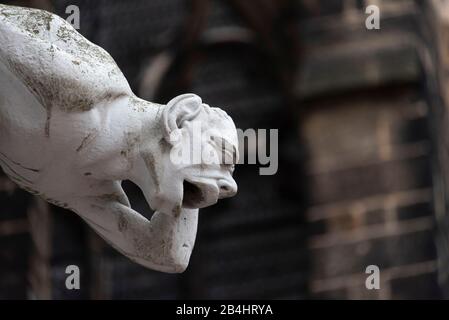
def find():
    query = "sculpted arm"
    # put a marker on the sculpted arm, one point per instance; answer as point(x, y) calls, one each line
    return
point(163, 243)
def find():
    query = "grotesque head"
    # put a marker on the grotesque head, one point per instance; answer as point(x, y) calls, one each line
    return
point(197, 154)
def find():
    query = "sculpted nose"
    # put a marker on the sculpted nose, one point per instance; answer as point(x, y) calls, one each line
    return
point(228, 188)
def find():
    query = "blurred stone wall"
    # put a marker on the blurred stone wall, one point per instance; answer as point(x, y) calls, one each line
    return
point(369, 162)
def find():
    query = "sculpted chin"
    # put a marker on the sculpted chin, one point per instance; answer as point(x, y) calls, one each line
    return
point(71, 130)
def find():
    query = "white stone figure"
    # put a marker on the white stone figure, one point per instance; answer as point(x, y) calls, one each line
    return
point(71, 130)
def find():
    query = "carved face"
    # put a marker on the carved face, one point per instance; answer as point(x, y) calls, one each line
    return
point(199, 152)
point(208, 176)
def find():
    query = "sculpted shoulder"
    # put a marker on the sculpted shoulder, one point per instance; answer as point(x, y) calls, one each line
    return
point(60, 67)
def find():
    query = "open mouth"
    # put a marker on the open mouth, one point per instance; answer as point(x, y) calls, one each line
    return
point(193, 196)
point(199, 194)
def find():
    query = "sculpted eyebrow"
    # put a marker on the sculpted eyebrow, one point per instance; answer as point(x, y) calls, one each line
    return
point(234, 155)
point(226, 148)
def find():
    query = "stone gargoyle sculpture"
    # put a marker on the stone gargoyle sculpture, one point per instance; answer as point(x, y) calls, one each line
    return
point(71, 130)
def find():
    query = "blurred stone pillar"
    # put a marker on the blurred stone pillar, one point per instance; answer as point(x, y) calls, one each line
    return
point(436, 61)
point(39, 272)
point(14, 240)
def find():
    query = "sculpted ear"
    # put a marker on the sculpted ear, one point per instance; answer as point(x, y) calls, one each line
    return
point(183, 108)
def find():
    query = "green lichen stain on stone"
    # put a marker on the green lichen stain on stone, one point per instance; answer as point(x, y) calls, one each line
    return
point(56, 42)
point(64, 33)
point(34, 21)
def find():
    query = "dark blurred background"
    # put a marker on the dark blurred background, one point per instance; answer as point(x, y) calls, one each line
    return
point(363, 152)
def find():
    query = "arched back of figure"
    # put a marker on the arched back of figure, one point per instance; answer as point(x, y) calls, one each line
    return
point(71, 130)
